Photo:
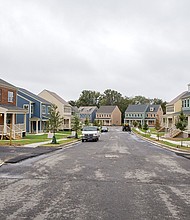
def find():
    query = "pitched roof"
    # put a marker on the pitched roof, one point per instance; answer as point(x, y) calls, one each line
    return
point(106, 109)
point(12, 108)
point(57, 97)
point(87, 109)
point(6, 84)
point(186, 95)
point(154, 108)
point(177, 98)
point(137, 108)
point(36, 97)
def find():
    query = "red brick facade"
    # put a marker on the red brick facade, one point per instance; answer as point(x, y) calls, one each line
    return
point(4, 96)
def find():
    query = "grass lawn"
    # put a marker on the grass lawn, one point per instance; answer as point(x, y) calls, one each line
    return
point(165, 142)
point(34, 138)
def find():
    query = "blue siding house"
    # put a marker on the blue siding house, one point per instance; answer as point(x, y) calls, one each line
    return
point(37, 111)
point(87, 112)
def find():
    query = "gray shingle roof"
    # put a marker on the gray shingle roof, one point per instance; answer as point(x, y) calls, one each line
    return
point(12, 107)
point(87, 109)
point(137, 108)
point(186, 95)
point(177, 98)
point(155, 108)
point(34, 96)
point(6, 84)
point(106, 109)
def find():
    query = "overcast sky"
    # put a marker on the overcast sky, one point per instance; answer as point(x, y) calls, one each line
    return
point(136, 47)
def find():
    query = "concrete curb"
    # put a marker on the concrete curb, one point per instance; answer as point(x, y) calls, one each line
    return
point(164, 146)
point(20, 158)
point(1, 162)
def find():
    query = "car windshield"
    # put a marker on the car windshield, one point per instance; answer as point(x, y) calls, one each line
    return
point(90, 128)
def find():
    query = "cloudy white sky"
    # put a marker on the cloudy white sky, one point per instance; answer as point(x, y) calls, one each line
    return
point(132, 46)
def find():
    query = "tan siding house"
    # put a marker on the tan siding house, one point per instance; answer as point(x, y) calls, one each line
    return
point(109, 115)
point(63, 107)
point(172, 108)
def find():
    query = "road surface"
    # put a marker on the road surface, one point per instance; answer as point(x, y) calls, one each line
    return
point(119, 177)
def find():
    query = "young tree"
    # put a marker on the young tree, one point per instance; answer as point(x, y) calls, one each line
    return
point(86, 122)
point(75, 125)
point(145, 126)
point(55, 120)
point(157, 127)
point(139, 126)
point(135, 123)
point(181, 122)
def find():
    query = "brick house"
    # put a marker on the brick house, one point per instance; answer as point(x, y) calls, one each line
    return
point(9, 127)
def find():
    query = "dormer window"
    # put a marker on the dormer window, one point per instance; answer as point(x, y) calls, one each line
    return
point(26, 107)
point(151, 109)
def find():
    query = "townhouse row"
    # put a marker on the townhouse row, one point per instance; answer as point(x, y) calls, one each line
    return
point(150, 113)
point(22, 111)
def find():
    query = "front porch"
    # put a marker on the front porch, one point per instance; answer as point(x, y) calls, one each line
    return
point(9, 129)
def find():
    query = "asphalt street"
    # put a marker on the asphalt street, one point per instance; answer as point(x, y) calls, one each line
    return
point(119, 177)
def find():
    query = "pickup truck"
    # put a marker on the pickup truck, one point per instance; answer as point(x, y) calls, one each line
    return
point(90, 133)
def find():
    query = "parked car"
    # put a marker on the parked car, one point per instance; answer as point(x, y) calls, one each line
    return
point(104, 129)
point(90, 133)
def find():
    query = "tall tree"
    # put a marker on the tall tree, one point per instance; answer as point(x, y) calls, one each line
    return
point(139, 100)
point(75, 125)
point(88, 98)
point(111, 97)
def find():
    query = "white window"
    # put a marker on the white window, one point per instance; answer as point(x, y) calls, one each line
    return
point(10, 96)
point(49, 107)
point(32, 109)
point(26, 107)
point(43, 109)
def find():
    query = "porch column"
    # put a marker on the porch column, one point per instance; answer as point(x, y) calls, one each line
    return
point(5, 124)
point(25, 122)
point(188, 123)
point(13, 120)
point(36, 127)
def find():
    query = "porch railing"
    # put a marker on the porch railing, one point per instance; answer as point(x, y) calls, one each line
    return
point(15, 132)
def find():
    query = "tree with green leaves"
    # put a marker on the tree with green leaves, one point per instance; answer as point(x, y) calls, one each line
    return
point(145, 126)
point(157, 127)
point(55, 121)
point(110, 97)
point(87, 122)
point(75, 125)
point(88, 98)
point(181, 122)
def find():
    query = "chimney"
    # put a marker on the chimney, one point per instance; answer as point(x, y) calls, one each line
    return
point(189, 87)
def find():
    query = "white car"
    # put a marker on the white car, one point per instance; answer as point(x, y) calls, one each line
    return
point(90, 133)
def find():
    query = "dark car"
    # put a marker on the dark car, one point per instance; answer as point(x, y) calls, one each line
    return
point(104, 129)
